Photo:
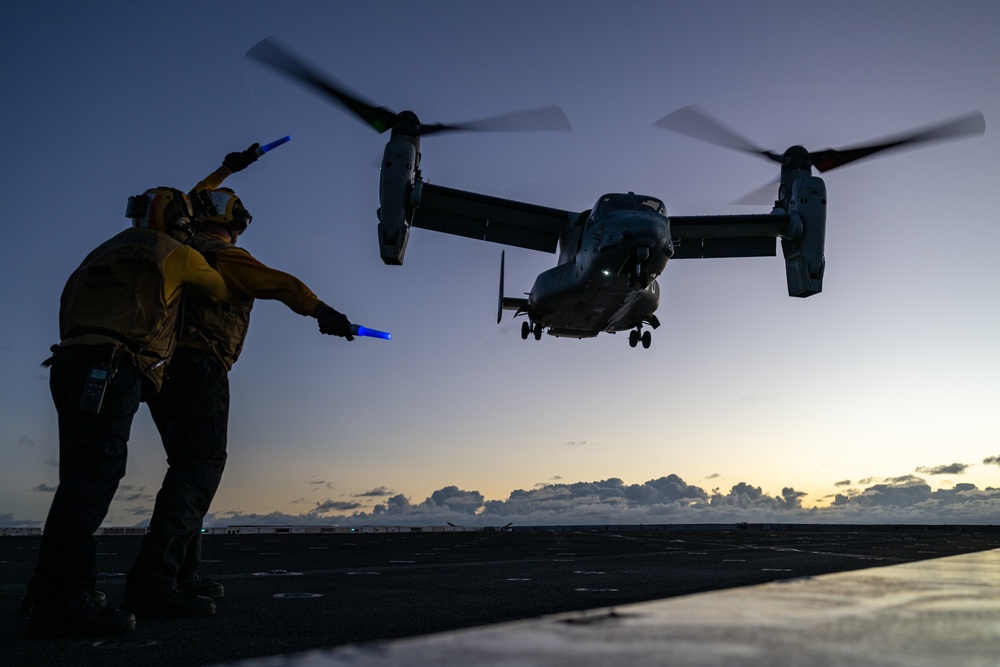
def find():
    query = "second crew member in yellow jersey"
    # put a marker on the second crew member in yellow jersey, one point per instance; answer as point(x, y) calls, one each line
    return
point(192, 411)
point(117, 323)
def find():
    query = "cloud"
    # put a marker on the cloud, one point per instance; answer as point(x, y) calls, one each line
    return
point(137, 496)
point(951, 469)
point(664, 500)
point(336, 506)
point(26, 441)
point(913, 501)
point(900, 495)
point(588, 499)
point(992, 460)
point(130, 493)
point(744, 496)
point(904, 479)
point(44, 488)
point(454, 498)
point(844, 482)
point(378, 492)
point(398, 503)
point(8, 521)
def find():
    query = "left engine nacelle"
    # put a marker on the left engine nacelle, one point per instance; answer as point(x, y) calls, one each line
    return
point(400, 162)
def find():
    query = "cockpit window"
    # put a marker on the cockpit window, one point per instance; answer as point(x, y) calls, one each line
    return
point(629, 202)
point(654, 205)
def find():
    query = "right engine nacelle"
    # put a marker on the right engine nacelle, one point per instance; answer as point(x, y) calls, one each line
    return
point(803, 250)
point(399, 167)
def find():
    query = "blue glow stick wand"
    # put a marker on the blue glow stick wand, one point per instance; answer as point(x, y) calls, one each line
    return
point(274, 144)
point(358, 330)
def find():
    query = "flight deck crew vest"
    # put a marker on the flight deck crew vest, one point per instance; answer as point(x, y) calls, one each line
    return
point(116, 295)
point(218, 326)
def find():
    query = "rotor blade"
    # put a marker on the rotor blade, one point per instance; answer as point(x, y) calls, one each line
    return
point(831, 158)
point(542, 119)
point(696, 123)
point(269, 52)
point(765, 195)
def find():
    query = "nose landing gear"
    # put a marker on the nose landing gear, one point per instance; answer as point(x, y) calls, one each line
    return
point(638, 276)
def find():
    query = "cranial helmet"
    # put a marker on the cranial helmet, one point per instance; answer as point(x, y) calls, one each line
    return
point(164, 209)
point(223, 207)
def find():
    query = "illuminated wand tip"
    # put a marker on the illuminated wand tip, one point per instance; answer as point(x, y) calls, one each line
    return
point(358, 330)
point(274, 144)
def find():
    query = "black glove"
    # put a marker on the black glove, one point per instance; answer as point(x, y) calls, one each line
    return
point(334, 323)
point(239, 161)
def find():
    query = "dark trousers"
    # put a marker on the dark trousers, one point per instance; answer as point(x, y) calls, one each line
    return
point(92, 453)
point(191, 413)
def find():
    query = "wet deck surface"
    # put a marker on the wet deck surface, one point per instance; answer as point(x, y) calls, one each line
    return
point(293, 593)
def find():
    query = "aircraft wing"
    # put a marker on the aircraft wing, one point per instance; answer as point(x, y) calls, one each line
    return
point(707, 236)
point(490, 218)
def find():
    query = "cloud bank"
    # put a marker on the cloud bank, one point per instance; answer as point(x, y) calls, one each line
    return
point(906, 499)
point(666, 500)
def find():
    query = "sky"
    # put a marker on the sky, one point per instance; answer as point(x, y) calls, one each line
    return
point(873, 402)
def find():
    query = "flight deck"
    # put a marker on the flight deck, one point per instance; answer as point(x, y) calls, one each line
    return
point(742, 595)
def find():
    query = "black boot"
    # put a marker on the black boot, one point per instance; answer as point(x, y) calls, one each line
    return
point(97, 597)
point(77, 617)
point(168, 603)
point(204, 587)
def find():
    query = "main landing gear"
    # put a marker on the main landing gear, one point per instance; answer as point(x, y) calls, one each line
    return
point(532, 328)
point(637, 335)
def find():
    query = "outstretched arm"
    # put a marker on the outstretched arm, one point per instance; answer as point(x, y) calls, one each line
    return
point(244, 273)
point(233, 163)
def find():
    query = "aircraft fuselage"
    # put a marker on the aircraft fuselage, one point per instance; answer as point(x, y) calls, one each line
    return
point(605, 281)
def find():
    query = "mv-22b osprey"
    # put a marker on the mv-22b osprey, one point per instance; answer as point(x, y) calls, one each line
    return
point(610, 255)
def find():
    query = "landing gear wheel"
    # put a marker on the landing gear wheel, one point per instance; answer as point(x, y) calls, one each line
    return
point(633, 338)
point(647, 339)
point(525, 330)
point(538, 331)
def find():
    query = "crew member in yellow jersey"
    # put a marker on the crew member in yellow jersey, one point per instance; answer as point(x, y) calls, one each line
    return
point(117, 322)
point(192, 411)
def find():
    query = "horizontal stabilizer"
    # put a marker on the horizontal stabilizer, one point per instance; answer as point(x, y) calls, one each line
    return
point(514, 303)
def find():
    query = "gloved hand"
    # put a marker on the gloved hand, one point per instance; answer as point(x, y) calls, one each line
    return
point(239, 161)
point(334, 323)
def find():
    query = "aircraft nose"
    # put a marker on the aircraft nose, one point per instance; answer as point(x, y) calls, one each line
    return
point(647, 232)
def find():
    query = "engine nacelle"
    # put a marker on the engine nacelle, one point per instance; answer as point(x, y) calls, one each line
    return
point(399, 168)
point(803, 250)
